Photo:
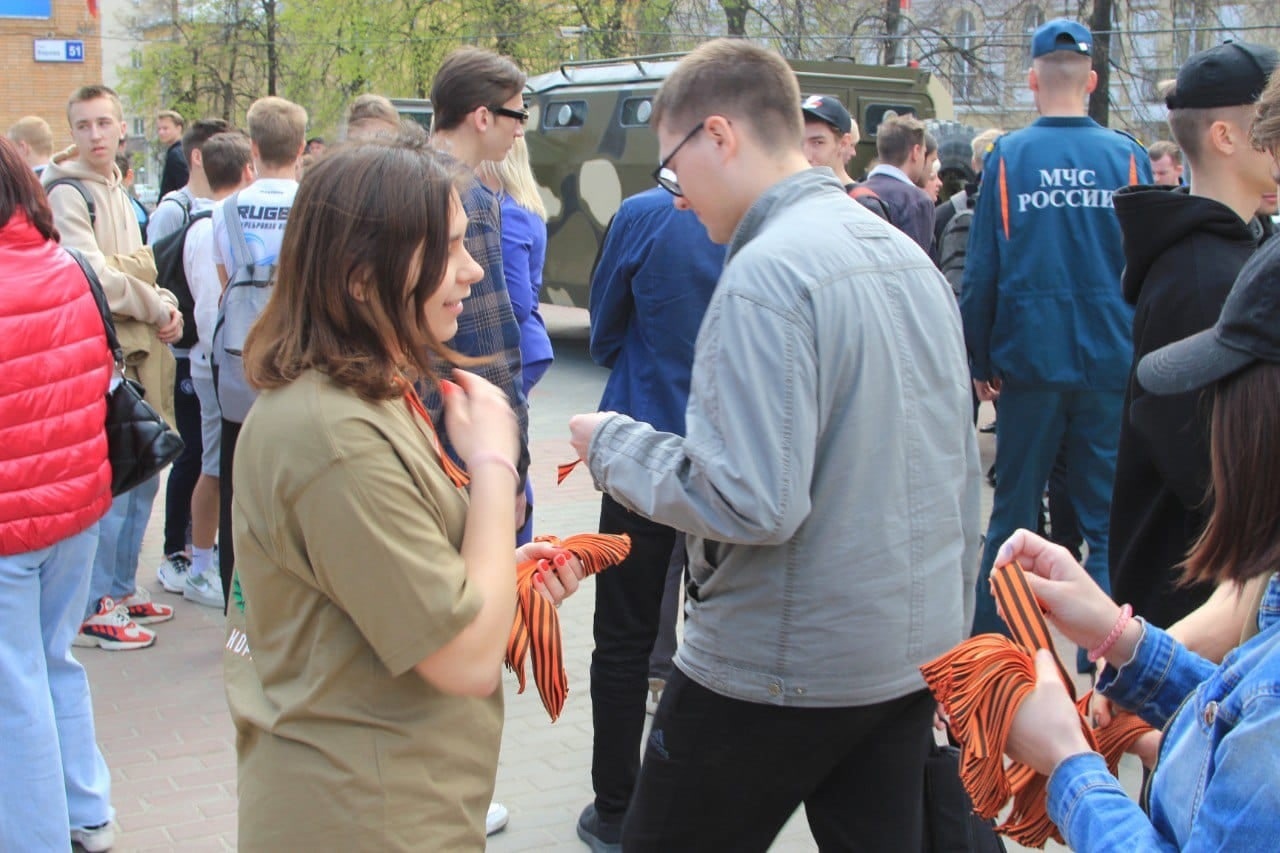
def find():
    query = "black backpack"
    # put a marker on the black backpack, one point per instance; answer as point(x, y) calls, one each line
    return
point(171, 274)
point(93, 211)
point(84, 194)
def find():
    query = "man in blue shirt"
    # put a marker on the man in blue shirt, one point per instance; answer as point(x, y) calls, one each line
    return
point(1047, 328)
point(651, 286)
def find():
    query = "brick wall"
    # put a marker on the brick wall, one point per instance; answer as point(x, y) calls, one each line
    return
point(28, 87)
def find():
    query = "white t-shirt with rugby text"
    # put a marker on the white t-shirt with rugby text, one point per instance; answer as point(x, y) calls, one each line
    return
point(264, 211)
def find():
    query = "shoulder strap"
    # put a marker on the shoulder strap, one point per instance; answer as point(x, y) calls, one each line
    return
point(240, 253)
point(864, 195)
point(84, 194)
point(95, 287)
point(181, 201)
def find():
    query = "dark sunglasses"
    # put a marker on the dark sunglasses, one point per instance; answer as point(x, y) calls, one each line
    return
point(521, 116)
point(665, 177)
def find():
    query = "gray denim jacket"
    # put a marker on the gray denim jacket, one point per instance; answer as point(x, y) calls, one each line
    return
point(830, 479)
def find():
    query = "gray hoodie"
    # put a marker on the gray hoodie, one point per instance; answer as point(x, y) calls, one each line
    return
point(829, 480)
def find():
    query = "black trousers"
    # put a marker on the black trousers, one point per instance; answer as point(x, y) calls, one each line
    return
point(628, 612)
point(226, 547)
point(723, 774)
point(186, 468)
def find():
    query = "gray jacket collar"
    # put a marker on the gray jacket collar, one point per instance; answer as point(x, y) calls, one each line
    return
point(783, 194)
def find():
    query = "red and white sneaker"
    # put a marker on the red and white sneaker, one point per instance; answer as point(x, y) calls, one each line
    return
point(112, 629)
point(143, 610)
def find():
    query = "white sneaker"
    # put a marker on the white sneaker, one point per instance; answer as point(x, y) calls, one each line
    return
point(204, 589)
point(496, 818)
point(95, 839)
point(173, 572)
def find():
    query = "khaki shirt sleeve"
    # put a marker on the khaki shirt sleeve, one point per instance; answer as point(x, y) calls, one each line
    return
point(378, 548)
point(128, 281)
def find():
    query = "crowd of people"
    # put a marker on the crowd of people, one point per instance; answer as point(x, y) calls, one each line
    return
point(346, 336)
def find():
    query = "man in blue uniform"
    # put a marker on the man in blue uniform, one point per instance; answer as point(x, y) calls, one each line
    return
point(1045, 322)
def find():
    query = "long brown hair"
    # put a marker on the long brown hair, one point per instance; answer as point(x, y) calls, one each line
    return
point(21, 190)
point(366, 218)
point(1242, 537)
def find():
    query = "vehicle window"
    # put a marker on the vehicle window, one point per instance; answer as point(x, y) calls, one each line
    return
point(876, 113)
point(561, 115)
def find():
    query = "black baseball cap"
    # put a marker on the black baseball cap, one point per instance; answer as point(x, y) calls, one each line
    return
point(1232, 74)
point(829, 109)
point(1247, 331)
point(1061, 34)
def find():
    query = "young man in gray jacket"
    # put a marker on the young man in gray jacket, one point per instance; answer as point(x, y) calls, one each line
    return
point(829, 556)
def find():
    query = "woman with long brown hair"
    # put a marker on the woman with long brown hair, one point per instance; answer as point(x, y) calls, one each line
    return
point(373, 599)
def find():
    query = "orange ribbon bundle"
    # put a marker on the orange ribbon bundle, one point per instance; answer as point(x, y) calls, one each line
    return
point(981, 683)
point(535, 632)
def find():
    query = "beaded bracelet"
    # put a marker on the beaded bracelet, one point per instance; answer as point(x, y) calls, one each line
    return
point(479, 459)
point(1126, 614)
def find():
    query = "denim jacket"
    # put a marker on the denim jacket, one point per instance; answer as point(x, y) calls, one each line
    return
point(1217, 783)
point(829, 478)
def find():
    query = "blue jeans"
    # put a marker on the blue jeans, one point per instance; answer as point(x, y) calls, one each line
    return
point(52, 776)
point(1031, 428)
point(115, 566)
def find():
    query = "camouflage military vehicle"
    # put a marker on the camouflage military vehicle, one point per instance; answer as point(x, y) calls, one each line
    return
point(591, 145)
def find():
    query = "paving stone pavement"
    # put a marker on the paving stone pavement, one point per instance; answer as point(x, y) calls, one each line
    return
point(162, 717)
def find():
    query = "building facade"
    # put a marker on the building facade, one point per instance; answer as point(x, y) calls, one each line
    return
point(48, 49)
point(982, 50)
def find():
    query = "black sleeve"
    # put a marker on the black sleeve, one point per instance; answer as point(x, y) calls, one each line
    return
point(175, 173)
point(1178, 299)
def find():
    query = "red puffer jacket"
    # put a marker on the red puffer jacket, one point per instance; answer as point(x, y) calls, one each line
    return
point(55, 479)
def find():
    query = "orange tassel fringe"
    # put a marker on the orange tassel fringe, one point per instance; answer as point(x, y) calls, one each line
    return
point(981, 683)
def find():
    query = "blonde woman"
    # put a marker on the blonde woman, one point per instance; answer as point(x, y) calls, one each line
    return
point(524, 250)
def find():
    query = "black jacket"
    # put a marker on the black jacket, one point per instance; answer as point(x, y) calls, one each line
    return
point(175, 172)
point(910, 209)
point(1182, 254)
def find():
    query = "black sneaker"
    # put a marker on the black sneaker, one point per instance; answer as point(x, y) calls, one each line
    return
point(600, 835)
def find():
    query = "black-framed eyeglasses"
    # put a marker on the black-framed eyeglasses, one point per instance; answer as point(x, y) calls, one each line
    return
point(521, 116)
point(665, 177)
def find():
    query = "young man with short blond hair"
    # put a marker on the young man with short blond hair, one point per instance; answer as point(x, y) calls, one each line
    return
point(813, 598)
point(277, 134)
point(370, 116)
point(92, 210)
point(34, 139)
point(169, 129)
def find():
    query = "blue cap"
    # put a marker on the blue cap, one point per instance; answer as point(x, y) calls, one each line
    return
point(1061, 34)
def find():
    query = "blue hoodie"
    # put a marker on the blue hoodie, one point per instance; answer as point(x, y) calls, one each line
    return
point(1041, 301)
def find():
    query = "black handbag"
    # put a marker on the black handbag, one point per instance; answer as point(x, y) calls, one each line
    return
point(950, 825)
point(139, 441)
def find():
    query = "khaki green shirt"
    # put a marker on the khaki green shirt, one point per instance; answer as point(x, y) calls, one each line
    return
point(347, 537)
